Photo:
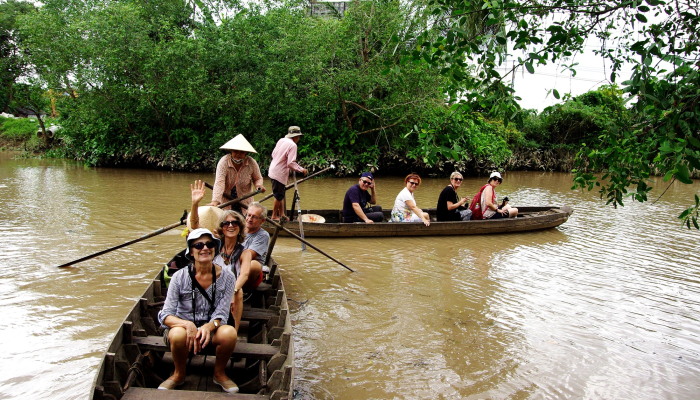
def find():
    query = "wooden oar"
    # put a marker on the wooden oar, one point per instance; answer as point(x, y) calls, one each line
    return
point(278, 226)
point(291, 185)
point(301, 225)
point(150, 235)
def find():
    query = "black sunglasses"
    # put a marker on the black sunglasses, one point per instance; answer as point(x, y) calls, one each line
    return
point(200, 245)
point(458, 179)
point(227, 223)
point(366, 182)
point(413, 183)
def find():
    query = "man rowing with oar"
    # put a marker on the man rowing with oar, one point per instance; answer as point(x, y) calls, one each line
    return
point(236, 174)
point(284, 158)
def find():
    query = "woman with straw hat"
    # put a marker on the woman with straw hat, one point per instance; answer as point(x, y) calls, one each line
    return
point(236, 174)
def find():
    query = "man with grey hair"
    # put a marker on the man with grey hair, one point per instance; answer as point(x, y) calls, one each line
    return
point(254, 248)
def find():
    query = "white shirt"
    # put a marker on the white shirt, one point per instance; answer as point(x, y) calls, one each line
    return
point(401, 212)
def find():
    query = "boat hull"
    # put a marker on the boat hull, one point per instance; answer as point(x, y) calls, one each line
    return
point(529, 219)
point(262, 365)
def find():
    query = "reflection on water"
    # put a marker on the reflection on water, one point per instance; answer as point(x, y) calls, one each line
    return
point(604, 306)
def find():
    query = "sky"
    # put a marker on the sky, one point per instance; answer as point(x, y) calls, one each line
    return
point(592, 71)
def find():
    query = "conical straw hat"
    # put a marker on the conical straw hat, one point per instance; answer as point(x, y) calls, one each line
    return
point(238, 143)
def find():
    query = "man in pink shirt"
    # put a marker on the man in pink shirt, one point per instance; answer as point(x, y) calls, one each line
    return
point(284, 157)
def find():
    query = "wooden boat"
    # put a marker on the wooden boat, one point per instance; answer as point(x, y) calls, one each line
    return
point(529, 219)
point(262, 364)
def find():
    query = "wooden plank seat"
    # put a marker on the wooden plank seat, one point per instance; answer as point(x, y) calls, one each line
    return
point(136, 393)
point(257, 314)
point(247, 350)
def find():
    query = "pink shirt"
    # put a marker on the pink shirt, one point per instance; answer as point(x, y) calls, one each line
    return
point(284, 157)
point(245, 180)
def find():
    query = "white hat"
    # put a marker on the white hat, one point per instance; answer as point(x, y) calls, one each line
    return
point(238, 143)
point(196, 234)
point(495, 175)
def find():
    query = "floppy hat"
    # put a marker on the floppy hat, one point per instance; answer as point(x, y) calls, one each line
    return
point(209, 218)
point(293, 131)
point(196, 234)
point(238, 143)
point(367, 175)
point(495, 175)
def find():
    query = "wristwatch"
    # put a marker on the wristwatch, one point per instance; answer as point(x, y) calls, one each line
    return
point(235, 291)
point(216, 323)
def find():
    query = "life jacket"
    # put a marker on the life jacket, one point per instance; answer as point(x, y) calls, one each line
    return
point(476, 206)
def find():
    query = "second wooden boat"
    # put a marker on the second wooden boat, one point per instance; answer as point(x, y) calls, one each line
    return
point(262, 364)
point(529, 219)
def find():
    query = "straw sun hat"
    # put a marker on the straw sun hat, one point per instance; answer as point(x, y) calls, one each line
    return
point(208, 218)
point(238, 143)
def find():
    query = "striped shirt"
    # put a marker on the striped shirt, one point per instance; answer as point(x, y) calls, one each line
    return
point(178, 302)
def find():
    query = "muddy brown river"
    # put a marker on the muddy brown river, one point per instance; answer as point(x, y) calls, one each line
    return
point(602, 307)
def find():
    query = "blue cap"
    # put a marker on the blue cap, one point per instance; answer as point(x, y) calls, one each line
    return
point(367, 175)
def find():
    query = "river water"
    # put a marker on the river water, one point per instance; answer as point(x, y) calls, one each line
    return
point(605, 306)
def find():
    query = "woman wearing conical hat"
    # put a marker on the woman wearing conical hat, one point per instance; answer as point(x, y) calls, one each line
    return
point(237, 174)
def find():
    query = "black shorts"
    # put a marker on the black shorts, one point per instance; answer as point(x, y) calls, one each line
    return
point(498, 215)
point(278, 189)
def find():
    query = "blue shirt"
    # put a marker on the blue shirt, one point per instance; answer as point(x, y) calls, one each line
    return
point(178, 302)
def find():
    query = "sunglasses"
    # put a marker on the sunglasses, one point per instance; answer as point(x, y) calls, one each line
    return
point(366, 182)
point(200, 245)
point(413, 183)
point(227, 223)
point(457, 179)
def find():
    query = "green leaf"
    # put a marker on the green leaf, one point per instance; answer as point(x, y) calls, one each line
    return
point(669, 175)
point(694, 142)
point(529, 68)
point(556, 94)
point(682, 174)
point(641, 18)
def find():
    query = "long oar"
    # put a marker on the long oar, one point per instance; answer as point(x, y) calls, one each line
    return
point(152, 234)
point(291, 185)
point(301, 225)
point(277, 225)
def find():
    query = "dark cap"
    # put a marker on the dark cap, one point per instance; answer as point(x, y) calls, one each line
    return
point(367, 175)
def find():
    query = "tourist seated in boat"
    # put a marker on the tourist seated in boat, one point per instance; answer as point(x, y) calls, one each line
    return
point(485, 204)
point(196, 309)
point(451, 207)
point(237, 174)
point(243, 248)
point(405, 208)
point(360, 202)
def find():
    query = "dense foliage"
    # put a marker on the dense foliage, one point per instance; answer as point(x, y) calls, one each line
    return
point(167, 83)
point(12, 62)
point(658, 38)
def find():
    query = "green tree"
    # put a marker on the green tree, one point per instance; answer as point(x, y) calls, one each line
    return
point(12, 64)
point(33, 98)
point(167, 85)
point(659, 39)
